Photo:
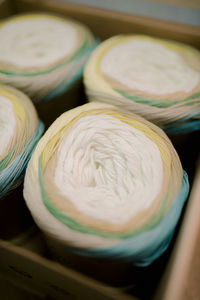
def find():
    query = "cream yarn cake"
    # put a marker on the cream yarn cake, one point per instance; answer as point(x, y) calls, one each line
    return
point(105, 183)
point(158, 79)
point(43, 54)
point(20, 130)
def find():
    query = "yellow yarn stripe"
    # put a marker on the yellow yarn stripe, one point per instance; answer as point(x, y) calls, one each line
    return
point(19, 110)
point(53, 143)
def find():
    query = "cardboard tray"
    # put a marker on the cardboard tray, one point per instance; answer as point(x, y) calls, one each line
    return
point(25, 261)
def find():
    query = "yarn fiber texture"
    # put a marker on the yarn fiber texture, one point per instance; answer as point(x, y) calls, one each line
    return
point(20, 130)
point(158, 79)
point(43, 54)
point(105, 182)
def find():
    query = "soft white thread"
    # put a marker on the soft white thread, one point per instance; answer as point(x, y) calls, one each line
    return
point(108, 169)
point(160, 116)
point(43, 83)
point(7, 123)
point(150, 67)
point(36, 42)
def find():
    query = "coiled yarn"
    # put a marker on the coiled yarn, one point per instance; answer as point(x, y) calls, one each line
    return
point(20, 131)
point(106, 183)
point(158, 79)
point(43, 54)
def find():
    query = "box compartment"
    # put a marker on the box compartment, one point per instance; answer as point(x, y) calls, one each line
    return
point(25, 261)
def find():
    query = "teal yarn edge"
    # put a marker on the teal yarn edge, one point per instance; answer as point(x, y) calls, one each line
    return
point(84, 49)
point(17, 167)
point(74, 225)
point(185, 125)
point(76, 55)
point(145, 248)
point(64, 86)
point(5, 161)
point(191, 126)
point(152, 102)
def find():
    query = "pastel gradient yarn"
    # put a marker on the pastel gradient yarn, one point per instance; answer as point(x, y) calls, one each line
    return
point(20, 130)
point(104, 182)
point(43, 54)
point(158, 79)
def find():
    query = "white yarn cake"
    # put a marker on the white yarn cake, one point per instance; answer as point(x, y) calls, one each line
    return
point(20, 130)
point(42, 54)
point(106, 183)
point(156, 78)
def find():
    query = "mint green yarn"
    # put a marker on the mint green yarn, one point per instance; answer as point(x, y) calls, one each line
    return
point(64, 86)
point(142, 249)
point(12, 171)
point(157, 103)
point(76, 55)
point(74, 225)
point(5, 161)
